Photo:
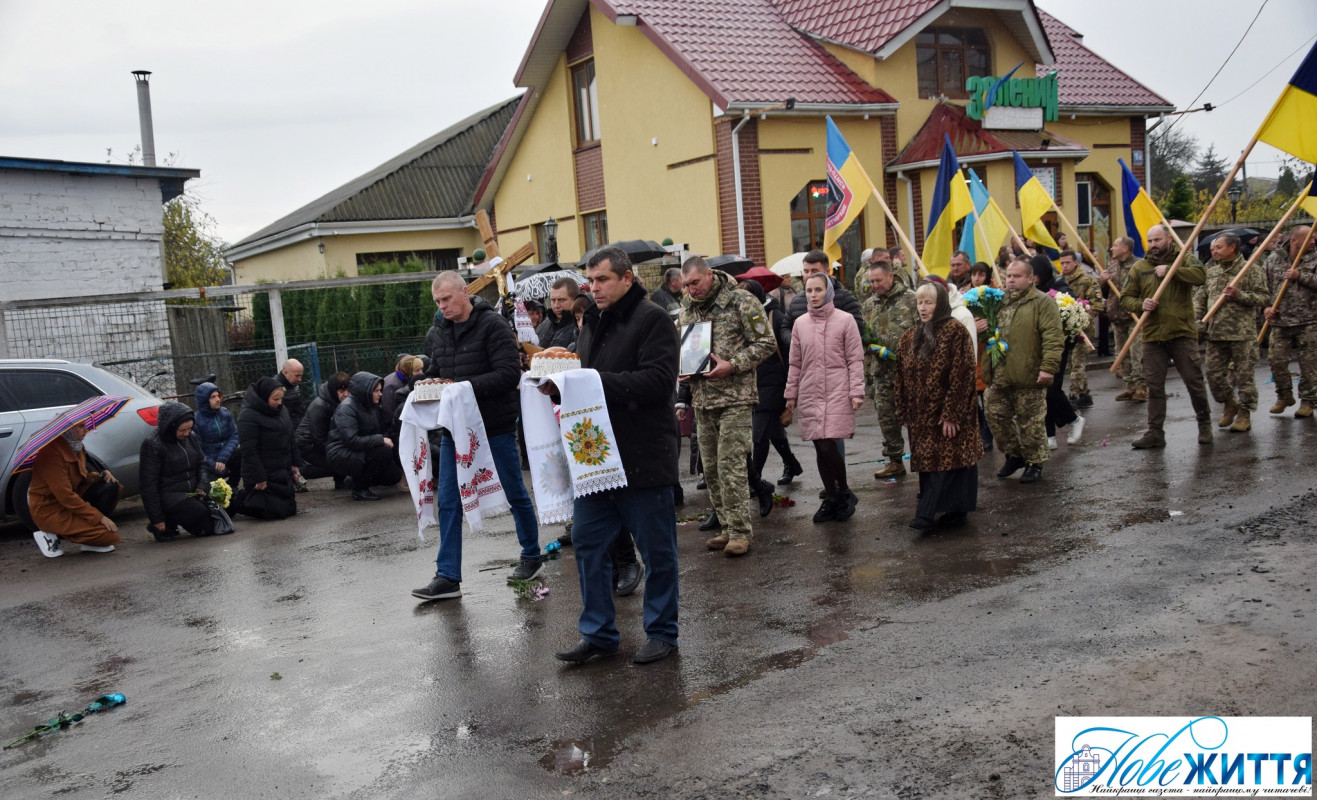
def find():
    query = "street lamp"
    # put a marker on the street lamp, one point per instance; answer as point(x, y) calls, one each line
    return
point(551, 233)
point(1233, 193)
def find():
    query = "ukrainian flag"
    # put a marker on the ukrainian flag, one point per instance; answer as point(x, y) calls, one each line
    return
point(987, 228)
point(849, 188)
point(1140, 212)
point(951, 203)
point(1034, 203)
point(1309, 201)
point(1290, 125)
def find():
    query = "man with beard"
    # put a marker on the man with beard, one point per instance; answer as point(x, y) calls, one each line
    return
point(888, 314)
point(1231, 352)
point(1169, 334)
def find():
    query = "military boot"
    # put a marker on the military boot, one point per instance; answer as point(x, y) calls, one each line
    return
point(1140, 394)
point(1283, 402)
point(1151, 440)
point(1242, 422)
point(1128, 394)
point(737, 547)
point(1304, 411)
point(1228, 413)
point(1205, 431)
point(894, 469)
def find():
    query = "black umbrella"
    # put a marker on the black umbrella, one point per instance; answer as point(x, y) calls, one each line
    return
point(637, 249)
point(1248, 240)
point(732, 265)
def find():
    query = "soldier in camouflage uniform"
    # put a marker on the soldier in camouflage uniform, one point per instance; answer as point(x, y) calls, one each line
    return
point(1016, 400)
point(1294, 322)
point(888, 313)
point(1169, 334)
point(724, 397)
point(1231, 352)
point(1122, 322)
point(1082, 287)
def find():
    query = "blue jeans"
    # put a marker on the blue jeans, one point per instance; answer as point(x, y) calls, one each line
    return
point(649, 514)
point(507, 462)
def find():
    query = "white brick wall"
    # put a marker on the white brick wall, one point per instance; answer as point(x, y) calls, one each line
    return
point(77, 235)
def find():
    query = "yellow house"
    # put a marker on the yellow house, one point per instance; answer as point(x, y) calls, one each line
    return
point(703, 120)
point(417, 205)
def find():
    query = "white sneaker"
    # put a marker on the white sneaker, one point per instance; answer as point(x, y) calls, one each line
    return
point(1076, 431)
point(49, 544)
point(91, 548)
point(1051, 442)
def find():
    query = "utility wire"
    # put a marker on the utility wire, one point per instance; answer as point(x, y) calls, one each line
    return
point(1223, 66)
point(1273, 69)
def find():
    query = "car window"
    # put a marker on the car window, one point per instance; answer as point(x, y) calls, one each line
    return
point(33, 388)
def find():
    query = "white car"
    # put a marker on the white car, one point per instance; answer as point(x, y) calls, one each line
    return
point(35, 391)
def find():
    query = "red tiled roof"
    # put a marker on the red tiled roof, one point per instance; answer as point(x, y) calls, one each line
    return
point(863, 24)
point(1087, 79)
point(970, 138)
point(743, 51)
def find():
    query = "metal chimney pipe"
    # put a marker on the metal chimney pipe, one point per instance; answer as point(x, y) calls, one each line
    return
point(143, 78)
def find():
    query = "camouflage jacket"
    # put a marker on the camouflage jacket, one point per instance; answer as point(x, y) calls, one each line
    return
point(1174, 316)
point(1119, 272)
point(887, 318)
point(1237, 319)
point(1085, 287)
point(1299, 305)
point(741, 335)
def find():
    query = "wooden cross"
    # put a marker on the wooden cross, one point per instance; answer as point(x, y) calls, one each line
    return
point(500, 272)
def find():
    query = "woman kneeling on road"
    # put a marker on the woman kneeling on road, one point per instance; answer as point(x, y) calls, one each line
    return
point(174, 475)
point(69, 503)
point(357, 446)
point(216, 431)
point(269, 453)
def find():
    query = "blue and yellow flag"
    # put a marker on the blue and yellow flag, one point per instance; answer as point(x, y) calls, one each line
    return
point(987, 228)
point(849, 188)
point(1290, 125)
point(1309, 201)
point(1034, 203)
point(951, 203)
point(1140, 212)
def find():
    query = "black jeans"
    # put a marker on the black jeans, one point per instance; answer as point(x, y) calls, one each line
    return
point(767, 429)
point(190, 514)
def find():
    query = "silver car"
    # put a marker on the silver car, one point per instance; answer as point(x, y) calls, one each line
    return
point(35, 391)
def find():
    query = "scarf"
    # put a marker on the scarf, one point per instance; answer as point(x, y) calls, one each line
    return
point(1168, 257)
point(478, 483)
point(75, 444)
point(520, 317)
point(572, 448)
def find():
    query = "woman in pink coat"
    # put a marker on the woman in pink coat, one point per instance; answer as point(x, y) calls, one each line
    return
point(825, 380)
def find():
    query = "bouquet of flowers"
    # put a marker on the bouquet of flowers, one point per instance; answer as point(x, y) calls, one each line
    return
point(1075, 316)
point(984, 302)
point(220, 492)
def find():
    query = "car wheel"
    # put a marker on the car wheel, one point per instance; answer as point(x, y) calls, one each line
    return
point(18, 498)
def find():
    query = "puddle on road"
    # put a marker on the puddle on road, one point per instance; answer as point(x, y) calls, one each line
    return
point(575, 756)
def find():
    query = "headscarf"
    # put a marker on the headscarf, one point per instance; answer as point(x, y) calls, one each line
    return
point(75, 444)
point(831, 293)
point(265, 387)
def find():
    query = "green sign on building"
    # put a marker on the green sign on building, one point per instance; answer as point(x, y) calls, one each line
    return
point(1013, 92)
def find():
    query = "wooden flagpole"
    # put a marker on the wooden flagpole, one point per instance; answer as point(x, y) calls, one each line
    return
point(1179, 259)
point(1285, 285)
point(900, 234)
point(1257, 253)
point(1075, 233)
point(992, 257)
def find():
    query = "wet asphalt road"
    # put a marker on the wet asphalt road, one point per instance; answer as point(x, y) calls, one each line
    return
point(856, 659)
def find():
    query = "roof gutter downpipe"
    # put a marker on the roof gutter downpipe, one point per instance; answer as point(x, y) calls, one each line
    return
point(909, 211)
point(736, 177)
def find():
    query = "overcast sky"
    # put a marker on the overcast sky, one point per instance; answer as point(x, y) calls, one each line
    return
point(279, 102)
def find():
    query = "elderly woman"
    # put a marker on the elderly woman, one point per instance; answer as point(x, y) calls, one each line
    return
point(357, 446)
point(69, 503)
point(174, 472)
point(935, 396)
point(216, 431)
point(825, 381)
point(270, 461)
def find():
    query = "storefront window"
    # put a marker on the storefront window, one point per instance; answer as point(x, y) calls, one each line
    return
point(947, 56)
point(809, 212)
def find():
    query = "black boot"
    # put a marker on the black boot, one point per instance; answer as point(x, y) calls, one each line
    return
point(790, 469)
point(765, 495)
point(711, 522)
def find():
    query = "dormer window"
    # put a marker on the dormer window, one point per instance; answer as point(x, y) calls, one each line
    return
point(947, 56)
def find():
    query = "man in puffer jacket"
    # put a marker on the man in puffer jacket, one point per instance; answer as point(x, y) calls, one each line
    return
point(357, 446)
point(217, 432)
point(314, 430)
point(173, 470)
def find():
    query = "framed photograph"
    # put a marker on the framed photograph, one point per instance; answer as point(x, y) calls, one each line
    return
point(696, 348)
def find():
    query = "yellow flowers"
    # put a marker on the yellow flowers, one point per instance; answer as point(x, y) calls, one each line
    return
point(221, 492)
point(588, 444)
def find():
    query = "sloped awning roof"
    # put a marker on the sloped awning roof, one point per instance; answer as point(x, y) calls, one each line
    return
point(1089, 81)
point(973, 143)
point(436, 179)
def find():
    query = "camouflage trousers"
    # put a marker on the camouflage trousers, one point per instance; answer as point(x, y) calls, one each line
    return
point(1077, 371)
point(1016, 416)
point(1294, 342)
point(725, 436)
point(1131, 368)
point(1230, 370)
point(884, 401)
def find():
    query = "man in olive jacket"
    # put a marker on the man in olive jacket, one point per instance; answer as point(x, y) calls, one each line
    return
point(1015, 402)
point(1169, 334)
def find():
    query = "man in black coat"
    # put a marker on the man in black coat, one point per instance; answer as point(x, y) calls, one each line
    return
point(559, 326)
point(816, 261)
point(290, 377)
point(470, 342)
point(633, 345)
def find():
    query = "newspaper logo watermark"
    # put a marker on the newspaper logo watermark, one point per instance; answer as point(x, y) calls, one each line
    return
point(1183, 756)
